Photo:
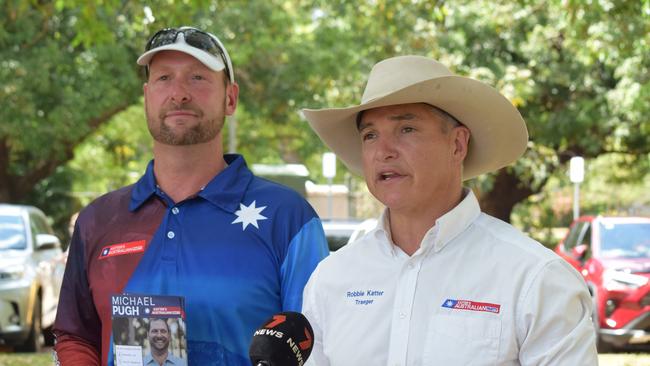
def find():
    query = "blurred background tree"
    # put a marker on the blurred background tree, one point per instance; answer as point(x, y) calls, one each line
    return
point(72, 125)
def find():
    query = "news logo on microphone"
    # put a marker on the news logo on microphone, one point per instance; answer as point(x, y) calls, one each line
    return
point(285, 339)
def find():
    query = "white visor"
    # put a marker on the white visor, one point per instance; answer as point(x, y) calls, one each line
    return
point(213, 62)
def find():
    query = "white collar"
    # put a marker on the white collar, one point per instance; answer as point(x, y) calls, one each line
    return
point(446, 228)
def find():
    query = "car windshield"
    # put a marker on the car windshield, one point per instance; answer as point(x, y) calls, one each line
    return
point(12, 233)
point(338, 232)
point(629, 240)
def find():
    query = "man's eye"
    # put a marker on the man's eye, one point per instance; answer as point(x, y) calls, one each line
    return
point(408, 129)
point(198, 77)
point(163, 77)
point(368, 136)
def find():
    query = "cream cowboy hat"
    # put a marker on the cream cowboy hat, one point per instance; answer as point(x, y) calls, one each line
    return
point(498, 132)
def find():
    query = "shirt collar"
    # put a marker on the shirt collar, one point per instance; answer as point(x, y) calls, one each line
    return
point(454, 222)
point(225, 190)
point(446, 228)
point(383, 235)
point(143, 189)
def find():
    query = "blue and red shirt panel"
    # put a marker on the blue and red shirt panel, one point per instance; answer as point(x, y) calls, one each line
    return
point(238, 251)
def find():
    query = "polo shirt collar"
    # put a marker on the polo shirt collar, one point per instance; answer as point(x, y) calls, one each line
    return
point(446, 228)
point(143, 189)
point(225, 190)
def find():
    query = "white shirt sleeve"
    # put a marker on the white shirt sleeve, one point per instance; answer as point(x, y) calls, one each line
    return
point(554, 324)
point(311, 311)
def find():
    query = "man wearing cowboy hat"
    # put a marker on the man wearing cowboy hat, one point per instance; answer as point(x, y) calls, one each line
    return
point(438, 282)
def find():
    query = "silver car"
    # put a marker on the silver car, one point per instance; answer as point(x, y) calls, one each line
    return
point(31, 270)
point(340, 232)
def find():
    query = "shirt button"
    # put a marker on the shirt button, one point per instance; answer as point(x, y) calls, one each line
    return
point(175, 210)
point(402, 315)
point(411, 265)
point(170, 234)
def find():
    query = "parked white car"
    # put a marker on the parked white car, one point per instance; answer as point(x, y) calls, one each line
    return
point(340, 232)
point(31, 270)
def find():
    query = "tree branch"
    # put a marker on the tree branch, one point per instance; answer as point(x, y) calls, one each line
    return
point(25, 183)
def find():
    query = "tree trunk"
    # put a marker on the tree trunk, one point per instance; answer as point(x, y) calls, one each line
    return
point(14, 188)
point(5, 184)
point(507, 191)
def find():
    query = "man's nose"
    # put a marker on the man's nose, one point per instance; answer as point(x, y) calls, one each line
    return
point(180, 93)
point(386, 148)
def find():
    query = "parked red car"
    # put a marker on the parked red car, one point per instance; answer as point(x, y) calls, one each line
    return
point(613, 255)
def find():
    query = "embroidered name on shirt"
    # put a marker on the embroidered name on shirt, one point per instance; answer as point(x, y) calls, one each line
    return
point(471, 305)
point(131, 247)
point(362, 297)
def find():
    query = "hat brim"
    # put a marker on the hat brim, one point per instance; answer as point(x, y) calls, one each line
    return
point(211, 61)
point(498, 132)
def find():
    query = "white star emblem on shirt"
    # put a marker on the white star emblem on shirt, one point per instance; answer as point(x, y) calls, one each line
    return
point(249, 215)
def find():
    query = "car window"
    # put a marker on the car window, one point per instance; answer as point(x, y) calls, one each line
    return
point(626, 240)
point(39, 225)
point(12, 233)
point(574, 235)
point(585, 239)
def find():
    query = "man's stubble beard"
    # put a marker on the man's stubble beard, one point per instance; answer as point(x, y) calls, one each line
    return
point(154, 345)
point(204, 131)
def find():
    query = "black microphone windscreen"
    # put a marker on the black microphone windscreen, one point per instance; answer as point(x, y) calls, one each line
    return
point(285, 339)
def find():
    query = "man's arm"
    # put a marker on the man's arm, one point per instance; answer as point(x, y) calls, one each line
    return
point(72, 351)
point(77, 326)
point(554, 319)
point(307, 248)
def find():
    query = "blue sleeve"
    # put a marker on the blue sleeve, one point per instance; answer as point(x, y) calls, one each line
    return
point(308, 247)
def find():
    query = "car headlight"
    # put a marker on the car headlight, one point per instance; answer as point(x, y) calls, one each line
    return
point(613, 279)
point(15, 272)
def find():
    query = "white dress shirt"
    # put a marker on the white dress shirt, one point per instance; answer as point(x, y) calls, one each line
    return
point(476, 292)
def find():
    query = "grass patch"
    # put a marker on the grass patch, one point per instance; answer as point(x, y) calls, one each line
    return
point(26, 359)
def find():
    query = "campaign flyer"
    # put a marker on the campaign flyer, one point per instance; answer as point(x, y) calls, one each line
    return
point(148, 330)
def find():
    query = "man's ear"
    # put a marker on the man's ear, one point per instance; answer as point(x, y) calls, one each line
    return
point(232, 97)
point(461, 135)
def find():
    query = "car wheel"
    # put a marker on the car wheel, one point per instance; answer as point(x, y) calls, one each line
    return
point(34, 342)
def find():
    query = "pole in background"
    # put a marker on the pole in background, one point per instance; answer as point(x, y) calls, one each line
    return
point(577, 175)
point(232, 134)
point(329, 172)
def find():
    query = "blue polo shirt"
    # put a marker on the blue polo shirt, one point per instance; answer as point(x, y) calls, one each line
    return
point(239, 251)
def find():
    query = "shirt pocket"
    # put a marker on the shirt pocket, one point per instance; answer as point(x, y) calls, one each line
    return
point(462, 339)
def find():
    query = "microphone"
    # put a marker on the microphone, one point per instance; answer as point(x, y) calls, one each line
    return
point(285, 339)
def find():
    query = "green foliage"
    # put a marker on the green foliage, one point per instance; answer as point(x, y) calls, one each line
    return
point(577, 70)
point(55, 92)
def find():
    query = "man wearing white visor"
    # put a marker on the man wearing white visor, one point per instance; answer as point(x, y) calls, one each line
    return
point(438, 282)
point(198, 230)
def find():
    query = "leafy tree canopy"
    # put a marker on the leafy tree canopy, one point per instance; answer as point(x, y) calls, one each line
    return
point(577, 70)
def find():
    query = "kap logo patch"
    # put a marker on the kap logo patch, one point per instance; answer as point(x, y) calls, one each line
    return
point(131, 247)
point(471, 306)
